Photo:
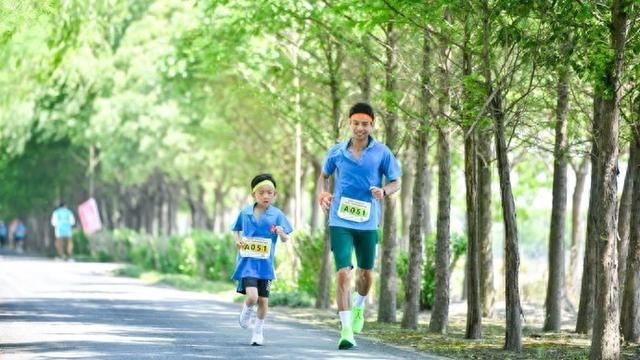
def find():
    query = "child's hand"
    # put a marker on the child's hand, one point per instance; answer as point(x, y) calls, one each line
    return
point(239, 244)
point(279, 230)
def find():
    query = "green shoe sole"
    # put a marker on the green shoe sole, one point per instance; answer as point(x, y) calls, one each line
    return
point(345, 344)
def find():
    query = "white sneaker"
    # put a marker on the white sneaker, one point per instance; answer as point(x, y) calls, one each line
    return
point(257, 339)
point(246, 315)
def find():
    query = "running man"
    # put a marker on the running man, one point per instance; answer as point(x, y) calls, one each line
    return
point(354, 212)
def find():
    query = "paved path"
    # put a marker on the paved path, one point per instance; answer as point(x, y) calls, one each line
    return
point(60, 310)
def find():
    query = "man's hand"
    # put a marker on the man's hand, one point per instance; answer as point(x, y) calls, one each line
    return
point(377, 192)
point(325, 200)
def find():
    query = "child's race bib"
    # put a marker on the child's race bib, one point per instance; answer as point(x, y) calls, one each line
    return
point(259, 248)
point(354, 210)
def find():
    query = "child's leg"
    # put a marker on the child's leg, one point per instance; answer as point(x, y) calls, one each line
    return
point(249, 286)
point(252, 296)
point(263, 306)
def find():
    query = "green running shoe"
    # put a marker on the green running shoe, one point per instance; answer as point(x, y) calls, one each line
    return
point(357, 319)
point(346, 339)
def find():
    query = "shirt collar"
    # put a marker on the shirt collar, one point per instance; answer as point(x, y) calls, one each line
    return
point(249, 209)
point(345, 144)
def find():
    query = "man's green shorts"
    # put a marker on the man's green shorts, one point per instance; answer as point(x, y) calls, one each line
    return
point(343, 240)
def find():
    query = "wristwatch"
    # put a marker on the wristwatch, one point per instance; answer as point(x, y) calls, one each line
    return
point(384, 192)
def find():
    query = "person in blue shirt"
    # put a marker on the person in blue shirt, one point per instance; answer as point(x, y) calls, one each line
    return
point(3, 234)
point(256, 232)
point(19, 233)
point(360, 163)
point(63, 220)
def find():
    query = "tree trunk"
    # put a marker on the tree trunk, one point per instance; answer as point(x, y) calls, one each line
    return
point(365, 71)
point(553, 302)
point(630, 314)
point(624, 220)
point(577, 239)
point(388, 288)
point(440, 313)
point(485, 220)
point(584, 322)
point(172, 208)
point(426, 198)
point(334, 58)
point(323, 295)
point(315, 207)
point(406, 187)
point(222, 211)
point(605, 341)
point(513, 336)
point(472, 275)
point(413, 286)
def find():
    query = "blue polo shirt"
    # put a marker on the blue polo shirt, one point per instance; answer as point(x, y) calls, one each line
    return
point(63, 219)
point(247, 224)
point(355, 177)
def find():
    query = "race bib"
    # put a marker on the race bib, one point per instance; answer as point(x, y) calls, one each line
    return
point(354, 210)
point(259, 248)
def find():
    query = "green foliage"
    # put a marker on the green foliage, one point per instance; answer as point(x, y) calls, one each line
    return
point(202, 253)
point(291, 299)
point(427, 290)
point(308, 248)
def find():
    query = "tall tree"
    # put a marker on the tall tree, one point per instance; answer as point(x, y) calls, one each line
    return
point(577, 238)
point(388, 278)
point(630, 313)
point(555, 284)
point(605, 341)
point(624, 219)
point(485, 221)
point(474, 318)
point(416, 234)
point(513, 336)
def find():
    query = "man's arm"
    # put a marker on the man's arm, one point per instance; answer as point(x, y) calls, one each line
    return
point(325, 196)
point(388, 189)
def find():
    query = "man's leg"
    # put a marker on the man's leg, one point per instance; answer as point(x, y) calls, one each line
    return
point(365, 245)
point(69, 247)
point(59, 248)
point(343, 289)
point(342, 248)
point(364, 279)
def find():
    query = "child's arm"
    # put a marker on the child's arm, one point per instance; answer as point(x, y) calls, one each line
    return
point(237, 236)
point(280, 231)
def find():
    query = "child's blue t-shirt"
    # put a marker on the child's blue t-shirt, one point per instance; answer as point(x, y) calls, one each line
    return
point(260, 267)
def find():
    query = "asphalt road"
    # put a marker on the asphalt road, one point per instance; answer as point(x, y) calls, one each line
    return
point(60, 310)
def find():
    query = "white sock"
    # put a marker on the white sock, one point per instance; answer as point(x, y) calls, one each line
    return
point(258, 326)
point(360, 300)
point(345, 318)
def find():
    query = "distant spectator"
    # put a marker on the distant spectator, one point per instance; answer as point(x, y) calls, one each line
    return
point(19, 233)
point(62, 220)
point(3, 234)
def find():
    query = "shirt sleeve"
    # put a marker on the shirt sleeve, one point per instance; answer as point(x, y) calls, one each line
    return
point(72, 219)
point(329, 164)
point(54, 219)
point(391, 168)
point(238, 224)
point(284, 222)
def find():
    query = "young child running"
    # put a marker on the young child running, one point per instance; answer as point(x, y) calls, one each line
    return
point(256, 231)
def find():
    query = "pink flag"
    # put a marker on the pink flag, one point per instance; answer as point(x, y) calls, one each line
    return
point(89, 216)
